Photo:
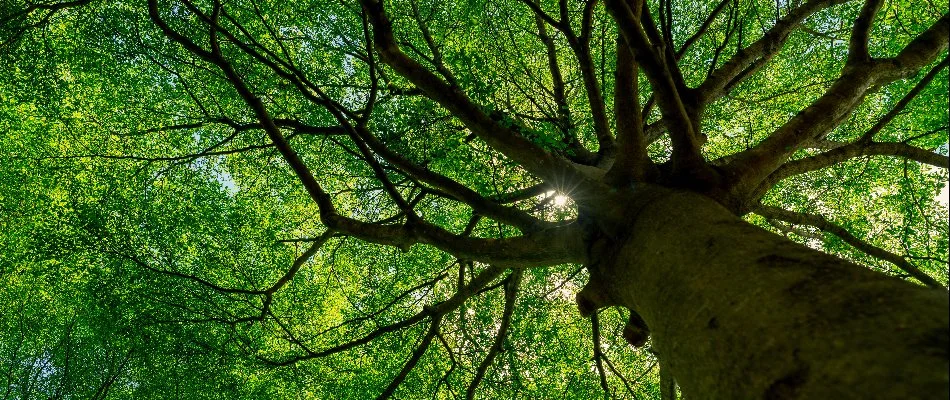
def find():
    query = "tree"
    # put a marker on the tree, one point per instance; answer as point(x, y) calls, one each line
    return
point(368, 199)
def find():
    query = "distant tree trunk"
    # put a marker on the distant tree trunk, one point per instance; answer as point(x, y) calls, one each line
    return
point(737, 312)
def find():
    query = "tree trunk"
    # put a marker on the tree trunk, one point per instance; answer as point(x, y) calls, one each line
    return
point(736, 312)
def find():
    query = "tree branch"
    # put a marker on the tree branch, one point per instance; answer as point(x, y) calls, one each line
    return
point(435, 311)
point(511, 292)
point(632, 162)
point(758, 53)
point(564, 120)
point(580, 45)
point(459, 192)
point(749, 168)
point(427, 284)
point(599, 354)
point(921, 51)
point(848, 152)
point(281, 282)
point(860, 32)
point(703, 28)
point(864, 146)
point(823, 224)
point(687, 161)
point(529, 250)
point(51, 10)
point(533, 158)
point(414, 359)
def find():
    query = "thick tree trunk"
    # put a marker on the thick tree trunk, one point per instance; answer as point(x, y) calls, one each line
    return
point(736, 312)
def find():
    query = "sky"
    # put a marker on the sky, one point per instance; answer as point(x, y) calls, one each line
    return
point(944, 196)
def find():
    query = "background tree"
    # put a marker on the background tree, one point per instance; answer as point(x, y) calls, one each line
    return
point(254, 199)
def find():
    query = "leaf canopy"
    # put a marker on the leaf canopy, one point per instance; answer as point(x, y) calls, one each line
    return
point(151, 226)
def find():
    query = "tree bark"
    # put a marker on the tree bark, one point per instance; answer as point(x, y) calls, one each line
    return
point(740, 313)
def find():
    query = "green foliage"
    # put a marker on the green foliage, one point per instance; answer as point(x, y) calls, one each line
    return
point(108, 206)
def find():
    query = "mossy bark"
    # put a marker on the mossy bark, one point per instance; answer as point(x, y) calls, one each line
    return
point(736, 312)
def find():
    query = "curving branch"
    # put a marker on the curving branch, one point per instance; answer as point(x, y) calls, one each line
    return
point(560, 25)
point(823, 224)
point(437, 60)
point(444, 380)
point(363, 137)
point(921, 51)
point(732, 24)
point(653, 131)
point(557, 82)
point(626, 383)
point(662, 39)
point(580, 46)
point(850, 151)
point(392, 303)
point(51, 9)
point(280, 283)
point(575, 150)
point(446, 185)
point(298, 128)
point(904, 101)
point(786, 228)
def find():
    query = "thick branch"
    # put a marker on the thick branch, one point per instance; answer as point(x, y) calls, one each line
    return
point(686, 156)
point(925, 48)
point(632, 160)
point(864, 146)
point(542, 248)
point(858, 47)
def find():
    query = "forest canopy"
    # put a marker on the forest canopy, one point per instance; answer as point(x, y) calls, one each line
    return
point(364, 199)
